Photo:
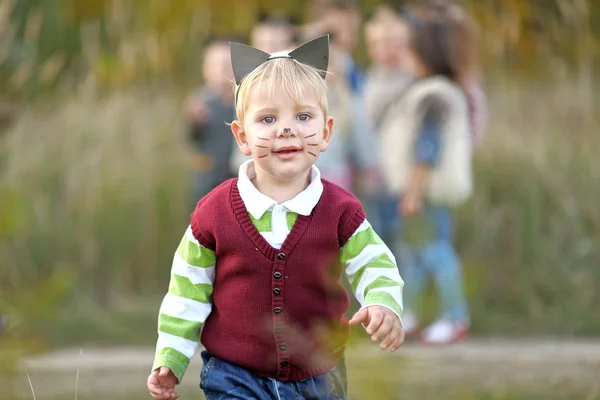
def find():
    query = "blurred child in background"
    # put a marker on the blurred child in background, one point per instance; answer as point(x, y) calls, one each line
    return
point(273, 32)
point(209, 109)
point(354, 164)
point(342, 20)
point(387, 40)
point(335, 164)
point(426, 147)
point(386, 37)
point(471, 81)
point(350, 149)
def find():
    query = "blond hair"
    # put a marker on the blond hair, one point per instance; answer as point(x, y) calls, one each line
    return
point(282, 76)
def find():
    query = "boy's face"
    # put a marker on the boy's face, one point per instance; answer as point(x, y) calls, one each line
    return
point(271, 39)
point(284, 138)
point(388, 44)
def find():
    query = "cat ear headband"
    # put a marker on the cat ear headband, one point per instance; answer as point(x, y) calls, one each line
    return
point(245, 59)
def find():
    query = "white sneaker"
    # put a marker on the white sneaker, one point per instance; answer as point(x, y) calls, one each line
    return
point(445, 331)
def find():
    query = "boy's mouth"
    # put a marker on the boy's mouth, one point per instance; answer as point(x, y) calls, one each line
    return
point(287, 150)
point(287, 153)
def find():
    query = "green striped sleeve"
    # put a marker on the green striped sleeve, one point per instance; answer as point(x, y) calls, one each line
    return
point(182, 286)
point(189, 330)
point(371, 270)
point(186, 306)
point(172, 359)
point(195, 254)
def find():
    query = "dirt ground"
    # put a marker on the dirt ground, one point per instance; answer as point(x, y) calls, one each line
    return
point(491, 364)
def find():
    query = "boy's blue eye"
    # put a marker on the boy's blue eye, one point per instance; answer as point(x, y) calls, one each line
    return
point(268, 120)
point(303, 117)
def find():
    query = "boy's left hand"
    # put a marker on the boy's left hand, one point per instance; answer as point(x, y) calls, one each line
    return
point(381, 323)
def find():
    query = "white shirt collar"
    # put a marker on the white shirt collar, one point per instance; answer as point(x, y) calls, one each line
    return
point(258, 203)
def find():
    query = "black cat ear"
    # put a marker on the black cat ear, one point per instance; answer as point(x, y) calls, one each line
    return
point(314, 53)
point(245, 59)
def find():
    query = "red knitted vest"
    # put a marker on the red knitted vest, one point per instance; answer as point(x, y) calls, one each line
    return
point(279, 313)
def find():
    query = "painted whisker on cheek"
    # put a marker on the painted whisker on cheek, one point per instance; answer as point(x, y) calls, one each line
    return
point(311, 153)
point(262, 147)
point(312, 144)
point(309, 136)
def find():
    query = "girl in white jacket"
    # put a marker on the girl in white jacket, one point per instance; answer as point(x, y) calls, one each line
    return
point(426, 147)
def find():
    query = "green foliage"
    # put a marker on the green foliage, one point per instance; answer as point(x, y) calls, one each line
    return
point(87, 171)
point(99, 189)
point(130, 322)
point(11, 213)
point(26, 309)
point(111, 44)
point(529, 232)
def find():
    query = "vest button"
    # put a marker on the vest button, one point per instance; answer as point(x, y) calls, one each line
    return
point(278, 330)
point(284, 363)
point(277, 274)
point(277, 291)
point(282, 346)
point(278, 310)
point(281, 256)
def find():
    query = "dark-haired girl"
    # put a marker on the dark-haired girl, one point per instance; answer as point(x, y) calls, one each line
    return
point(426, 146)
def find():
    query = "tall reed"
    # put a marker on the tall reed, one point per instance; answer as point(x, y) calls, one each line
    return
point(101, 187)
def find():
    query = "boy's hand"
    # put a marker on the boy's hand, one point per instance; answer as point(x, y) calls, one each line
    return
point(161, 384)
point(381, 323)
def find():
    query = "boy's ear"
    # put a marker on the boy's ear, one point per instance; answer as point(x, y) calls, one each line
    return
point(240, 137)
point(327, 132)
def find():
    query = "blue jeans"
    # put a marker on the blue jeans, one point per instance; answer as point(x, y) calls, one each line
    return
point(430, 253)
point(221, 380)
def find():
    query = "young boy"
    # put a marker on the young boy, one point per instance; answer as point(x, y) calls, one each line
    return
point(209, 110)
point(258, 268)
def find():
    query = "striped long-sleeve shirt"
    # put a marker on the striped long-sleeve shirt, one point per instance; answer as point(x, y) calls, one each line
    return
point(368, 263)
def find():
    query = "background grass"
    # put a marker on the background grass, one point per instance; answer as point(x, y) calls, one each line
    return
point(95, 201)
point(94, 172)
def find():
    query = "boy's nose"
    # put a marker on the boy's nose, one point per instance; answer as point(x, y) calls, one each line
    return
point(286, 132)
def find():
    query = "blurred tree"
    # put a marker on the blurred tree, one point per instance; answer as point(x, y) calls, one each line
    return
point(116, 43)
